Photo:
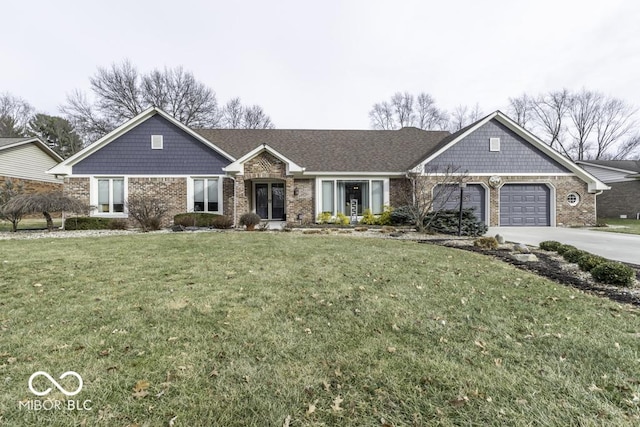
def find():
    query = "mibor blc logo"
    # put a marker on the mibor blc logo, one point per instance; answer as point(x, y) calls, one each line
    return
point(49, 404)
point(55, 383)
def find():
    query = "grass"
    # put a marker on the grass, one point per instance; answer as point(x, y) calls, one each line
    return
point(629, 226)
point(30, 223)
point(255, 329)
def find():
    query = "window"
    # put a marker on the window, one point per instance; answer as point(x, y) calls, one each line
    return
point(573, 199)
point(157, 142)
point(336, 196)
point(327, 196)
point(494, 144)
point(205, 195)
point(111, 195)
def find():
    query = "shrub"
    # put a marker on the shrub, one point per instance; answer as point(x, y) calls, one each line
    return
point(368, 218)
point(250, 220)
point(342, 219)
point(573, 255)
point(446, 221)
point(385, 217)
point(614, 273)
point(402, 216)
point(118, 224)
point(588, 262)
point(200, 219)
point(324, 217)
point(222, 222)
point(550, 245)
point(486, 242)
point(564, 248)
point(147, 211)
point(88, 223)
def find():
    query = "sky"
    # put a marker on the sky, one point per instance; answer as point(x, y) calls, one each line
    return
point(323, 64)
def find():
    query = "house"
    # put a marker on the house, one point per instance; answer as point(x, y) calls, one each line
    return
point(293, 175)
point(25, 161)
point(623, 176)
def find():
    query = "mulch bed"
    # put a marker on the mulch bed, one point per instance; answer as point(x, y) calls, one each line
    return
point(550, 267)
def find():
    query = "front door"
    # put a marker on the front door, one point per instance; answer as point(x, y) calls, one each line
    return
point(269, 200)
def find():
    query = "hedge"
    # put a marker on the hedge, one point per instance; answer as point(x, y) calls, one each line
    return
point(614, 273)
point(202, 219)
point(94, 223)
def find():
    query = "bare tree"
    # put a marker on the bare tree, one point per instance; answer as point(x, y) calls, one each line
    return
point(120, 93)
point(428, 115)
point(428, 191)
point(614, 121)
point(584, 110)
point(404, 109)
point(15, 114)
point(629, 149)
point(232, 114)
point(550, 110)
point(520, 110)
point(237, 116)
point(402, 104)
point(381, 116)
point(463, 116)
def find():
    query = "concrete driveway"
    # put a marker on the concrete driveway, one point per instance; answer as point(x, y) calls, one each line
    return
point(616, 246)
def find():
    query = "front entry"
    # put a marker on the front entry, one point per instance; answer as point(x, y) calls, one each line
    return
point(269, 200)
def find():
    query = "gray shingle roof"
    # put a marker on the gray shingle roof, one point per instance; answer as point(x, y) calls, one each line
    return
point(628, 165)
point(334, 150)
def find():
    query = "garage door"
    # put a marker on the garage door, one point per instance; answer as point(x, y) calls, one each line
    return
point(448, 197)
point(525, 205)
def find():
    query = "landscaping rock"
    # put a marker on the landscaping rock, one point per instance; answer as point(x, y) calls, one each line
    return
point(525, 257)
point(177, 227)
point(522, 248)
point(500, 239)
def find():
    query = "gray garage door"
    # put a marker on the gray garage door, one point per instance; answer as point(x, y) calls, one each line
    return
point(448, 197)
point(525, 205)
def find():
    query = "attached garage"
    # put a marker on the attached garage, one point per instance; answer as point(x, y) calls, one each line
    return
point(448, 197)
point(525, 205)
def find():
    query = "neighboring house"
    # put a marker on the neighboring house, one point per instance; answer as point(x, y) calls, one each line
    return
point(623, 176)
point(25, 161)
point(293, 175)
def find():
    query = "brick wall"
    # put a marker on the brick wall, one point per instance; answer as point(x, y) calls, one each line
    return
point(172, 191)
point(303, 202)
point(622, 199)
point(30, 186)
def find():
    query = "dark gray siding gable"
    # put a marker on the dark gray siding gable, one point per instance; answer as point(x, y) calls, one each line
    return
point(131, 153)
point(516, 155)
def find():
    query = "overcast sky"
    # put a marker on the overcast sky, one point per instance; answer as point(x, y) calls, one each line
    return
point(323, 64)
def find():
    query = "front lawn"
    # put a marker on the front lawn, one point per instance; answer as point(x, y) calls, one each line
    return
point(630, 226)
point(276, 329)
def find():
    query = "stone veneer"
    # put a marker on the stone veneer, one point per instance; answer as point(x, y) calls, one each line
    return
point(566, 215)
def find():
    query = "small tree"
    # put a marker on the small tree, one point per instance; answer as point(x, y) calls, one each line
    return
point(429, 191)
point(147, 211)
point(46, 203)
point(8, 191)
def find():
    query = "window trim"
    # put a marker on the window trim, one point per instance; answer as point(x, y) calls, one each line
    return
point(93, 197)
point(577, 199)
point(191, 193)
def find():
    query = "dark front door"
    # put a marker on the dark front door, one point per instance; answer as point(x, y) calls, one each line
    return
point(270, 200)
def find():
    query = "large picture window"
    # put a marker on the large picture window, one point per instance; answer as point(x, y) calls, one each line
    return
point(337, 195)
point(205, 195)
point(110, 195)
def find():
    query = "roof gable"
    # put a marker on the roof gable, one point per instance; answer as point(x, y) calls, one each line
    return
point(238, 166)
point(8, 143)
point(82, 158)
point(594, 185)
